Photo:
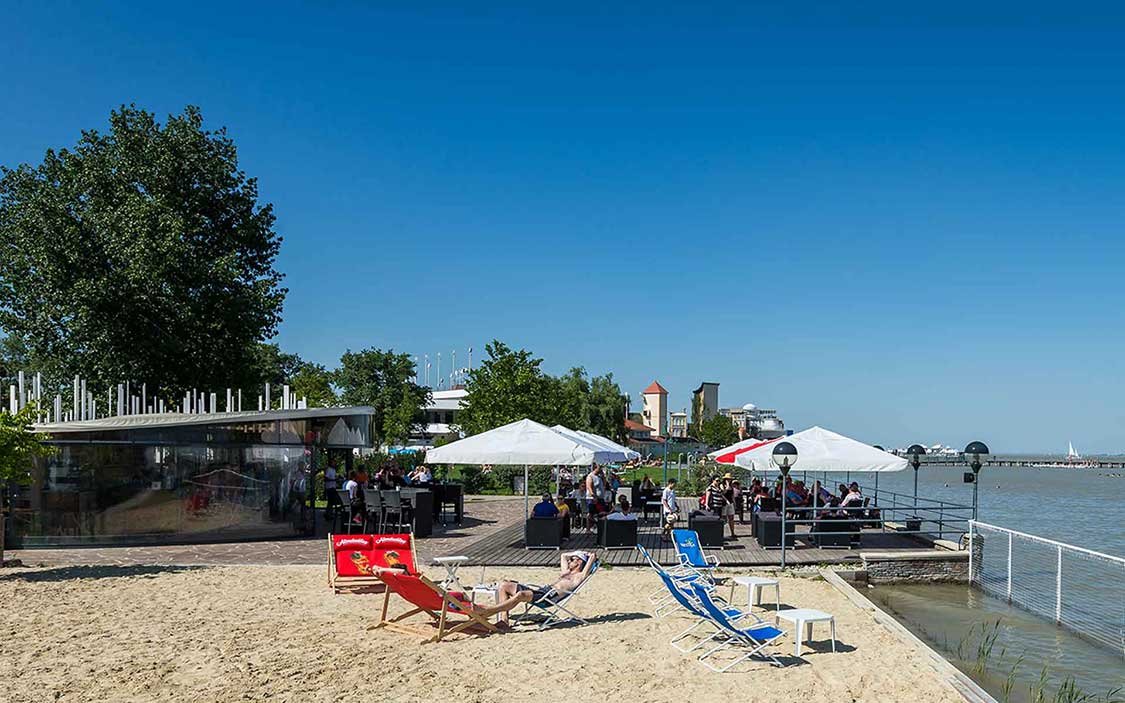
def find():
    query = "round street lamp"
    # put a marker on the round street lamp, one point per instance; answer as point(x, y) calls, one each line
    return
point(784, 457)
point(915, 453)
point(973, 452)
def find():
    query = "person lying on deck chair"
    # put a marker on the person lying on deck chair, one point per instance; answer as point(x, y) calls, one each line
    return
point(575, 568)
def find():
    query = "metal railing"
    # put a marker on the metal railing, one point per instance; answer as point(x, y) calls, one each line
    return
point(930, 517)
point(1080, 589)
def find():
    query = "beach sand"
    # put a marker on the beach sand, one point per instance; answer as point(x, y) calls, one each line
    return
point(277, 633)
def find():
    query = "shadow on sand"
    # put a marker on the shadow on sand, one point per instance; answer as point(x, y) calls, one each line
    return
point(68, 573)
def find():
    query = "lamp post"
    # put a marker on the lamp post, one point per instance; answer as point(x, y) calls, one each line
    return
point(915, 453)
point(784, 457)
point(973, 453)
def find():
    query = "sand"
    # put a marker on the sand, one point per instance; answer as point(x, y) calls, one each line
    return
point(277, 633)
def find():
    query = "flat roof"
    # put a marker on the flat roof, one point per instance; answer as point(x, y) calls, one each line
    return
point(136, 422)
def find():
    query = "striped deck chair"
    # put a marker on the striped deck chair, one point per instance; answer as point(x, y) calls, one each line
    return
point(752, 639)
point(553, 604)
point(436, 602)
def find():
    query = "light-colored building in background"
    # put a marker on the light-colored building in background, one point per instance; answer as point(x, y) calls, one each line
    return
point(441, 417)
point(704, 402)
point(752, 421)
point(677, 424)
point(654, 409)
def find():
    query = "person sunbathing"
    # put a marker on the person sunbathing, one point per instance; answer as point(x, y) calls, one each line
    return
point(575, 568)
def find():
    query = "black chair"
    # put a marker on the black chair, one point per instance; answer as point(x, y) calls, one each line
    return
point(844, 539)
point(373, 509)
point(543, 532)
point(452, 495)
point(393, 509)
point(708, 527)
point(617, 534)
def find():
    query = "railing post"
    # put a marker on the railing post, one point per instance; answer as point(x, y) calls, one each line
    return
point(1009, 568)
point(971, 552)
point(1058, 589)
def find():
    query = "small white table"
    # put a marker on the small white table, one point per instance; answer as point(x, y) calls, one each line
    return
point(804, 618)
point(754, 587)
point(451, 565)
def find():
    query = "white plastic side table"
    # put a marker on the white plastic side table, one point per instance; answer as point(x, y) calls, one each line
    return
point(803, 618)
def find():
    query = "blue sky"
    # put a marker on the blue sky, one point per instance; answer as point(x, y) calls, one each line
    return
point(902, 227)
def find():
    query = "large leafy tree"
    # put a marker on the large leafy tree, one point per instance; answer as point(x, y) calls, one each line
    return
point(18, 446)
point(718, 431)
point(508, 386)
point(385, 381)
point(314, 383)
point(511, 385)
point(141, 253)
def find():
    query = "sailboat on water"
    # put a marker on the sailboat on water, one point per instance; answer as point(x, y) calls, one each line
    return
point(1071, 453)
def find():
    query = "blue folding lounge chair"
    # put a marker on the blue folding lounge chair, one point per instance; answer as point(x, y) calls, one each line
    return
point(553, 604)
point(687, 601)
point(752, 639)
point(690, 554)
point(660, 598)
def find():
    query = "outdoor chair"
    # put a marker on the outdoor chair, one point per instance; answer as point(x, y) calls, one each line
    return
point(373, 509)
point(660, 598)
point(393, 508)
point(752, 640)
point(553, 604)
point(617, 534)
point(686, 601)
point(436, 602)
point(353, 559)
point(690, 555)
point(348, 508)
point(543, 532)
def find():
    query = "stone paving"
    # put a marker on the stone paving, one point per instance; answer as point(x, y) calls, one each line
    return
point(484, 515)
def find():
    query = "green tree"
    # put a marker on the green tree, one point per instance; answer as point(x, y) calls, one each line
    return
point(508, 386)
point(717, 431)
point(141, 253)
point(606, 408)
point(385, 381)
point(314, 383)
point(273, 366)
point(18, 447)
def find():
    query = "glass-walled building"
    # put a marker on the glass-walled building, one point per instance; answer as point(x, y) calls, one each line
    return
point(179, 478)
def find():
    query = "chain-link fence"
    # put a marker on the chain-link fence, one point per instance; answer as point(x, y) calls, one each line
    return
point(1079, 589)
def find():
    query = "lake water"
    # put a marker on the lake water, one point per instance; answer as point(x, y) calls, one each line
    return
point(1083, 507)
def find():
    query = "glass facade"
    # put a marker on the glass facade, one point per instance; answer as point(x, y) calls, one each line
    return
point(169, 482)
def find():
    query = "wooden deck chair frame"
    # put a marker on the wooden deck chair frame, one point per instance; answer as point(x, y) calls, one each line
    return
point(357, 583)
point(477, 617)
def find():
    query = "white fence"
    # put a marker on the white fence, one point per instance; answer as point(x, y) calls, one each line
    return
point(1078, 588)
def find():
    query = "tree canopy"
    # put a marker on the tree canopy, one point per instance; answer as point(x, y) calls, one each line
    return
point(141, 253)
point(385, 381)
point(511, 385)
point(717, 431)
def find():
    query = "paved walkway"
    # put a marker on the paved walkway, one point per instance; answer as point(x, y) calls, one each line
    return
point(484, 515)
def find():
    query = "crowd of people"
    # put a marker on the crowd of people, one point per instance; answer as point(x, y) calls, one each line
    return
point(387, 477)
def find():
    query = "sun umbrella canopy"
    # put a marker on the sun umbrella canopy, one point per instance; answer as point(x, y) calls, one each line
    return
point(726, 455)
point(602, 454)
point(819, 449)
point(522, 443)
point(629, 453)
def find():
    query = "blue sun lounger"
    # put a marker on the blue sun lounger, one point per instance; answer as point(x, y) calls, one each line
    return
point(692, 608)
point(660, 598)
point(691, 556)
point(752, 640)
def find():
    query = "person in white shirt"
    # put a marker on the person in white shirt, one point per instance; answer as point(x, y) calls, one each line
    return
point(351, 486)
point(330, 486)
point(669, 510)
point(621, 511)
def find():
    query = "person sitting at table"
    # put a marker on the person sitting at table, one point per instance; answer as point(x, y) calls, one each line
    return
point(545, 507)
point(853, 502)
point(842, 492)
point(575, 568)
point(621, 511)
point(361, 477)
point(561, 504)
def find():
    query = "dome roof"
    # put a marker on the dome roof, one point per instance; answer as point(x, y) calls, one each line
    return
point(749, 406)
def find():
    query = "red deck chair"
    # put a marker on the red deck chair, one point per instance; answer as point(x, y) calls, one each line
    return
point(354, 559)
point(430, 598)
